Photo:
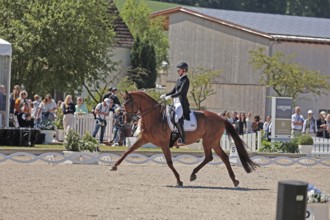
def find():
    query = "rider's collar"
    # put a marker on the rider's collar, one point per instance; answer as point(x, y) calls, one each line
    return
point(183, 75)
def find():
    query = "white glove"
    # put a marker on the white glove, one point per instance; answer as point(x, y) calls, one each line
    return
point(168, 97)
point(162, 96)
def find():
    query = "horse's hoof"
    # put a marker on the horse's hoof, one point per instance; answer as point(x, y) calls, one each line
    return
point(179, 184)
point(193, 177)
point(236, 182)
point(113, 169)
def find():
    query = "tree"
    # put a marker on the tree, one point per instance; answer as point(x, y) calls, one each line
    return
point(200, 80)
point(143, 59)
point(287, 78)
point(136, 15)
point(57, 45)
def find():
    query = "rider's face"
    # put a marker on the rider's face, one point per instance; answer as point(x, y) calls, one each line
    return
point(180, 72)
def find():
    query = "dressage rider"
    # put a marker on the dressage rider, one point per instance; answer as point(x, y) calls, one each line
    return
point(180, 101)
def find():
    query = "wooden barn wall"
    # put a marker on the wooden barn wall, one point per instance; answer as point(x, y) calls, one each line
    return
point(206, 44)
point(314, 57)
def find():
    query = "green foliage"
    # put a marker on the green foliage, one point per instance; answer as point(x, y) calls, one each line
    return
point(143, 59)
point(305, 140)
point(59, 119)
point(200, 81)
point(73, 142)
point(279, 147)
point(136, 15)
point(281, 73)
point(126, 84)
point(312, 8)
point(58, 45)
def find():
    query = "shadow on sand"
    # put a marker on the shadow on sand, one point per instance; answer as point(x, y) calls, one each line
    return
point(218, 188)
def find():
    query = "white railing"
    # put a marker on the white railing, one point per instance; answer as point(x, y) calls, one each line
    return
point(86, 123)
point(252, 140)
point(321, 146)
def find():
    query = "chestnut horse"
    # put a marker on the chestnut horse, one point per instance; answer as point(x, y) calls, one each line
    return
point(155, 130)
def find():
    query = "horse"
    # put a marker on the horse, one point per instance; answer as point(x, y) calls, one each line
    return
point(155, 130)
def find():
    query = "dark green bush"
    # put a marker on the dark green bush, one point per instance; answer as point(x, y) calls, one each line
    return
point(305, 140)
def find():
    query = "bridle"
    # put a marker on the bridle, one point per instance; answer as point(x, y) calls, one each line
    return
point(129, 100)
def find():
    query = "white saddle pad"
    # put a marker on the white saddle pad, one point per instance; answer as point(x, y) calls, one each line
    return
point(190, 125)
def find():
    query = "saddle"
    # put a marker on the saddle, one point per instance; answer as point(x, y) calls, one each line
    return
point(190, 125)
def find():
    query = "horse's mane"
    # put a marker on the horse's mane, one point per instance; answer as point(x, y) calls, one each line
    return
point(144, 95)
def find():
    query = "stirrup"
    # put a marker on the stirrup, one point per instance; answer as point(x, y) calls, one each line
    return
point(180, 142)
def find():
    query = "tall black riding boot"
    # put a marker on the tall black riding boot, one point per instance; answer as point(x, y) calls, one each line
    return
point(179, 125)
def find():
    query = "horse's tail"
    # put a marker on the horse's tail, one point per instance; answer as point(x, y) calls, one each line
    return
point(247, 163)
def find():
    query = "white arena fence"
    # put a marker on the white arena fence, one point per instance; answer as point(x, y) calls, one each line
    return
point(86, 123)
point(110, 158)
point(321, 146)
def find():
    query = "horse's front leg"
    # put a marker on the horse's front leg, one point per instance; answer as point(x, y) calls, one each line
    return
point(135, 146)
point(168, 157)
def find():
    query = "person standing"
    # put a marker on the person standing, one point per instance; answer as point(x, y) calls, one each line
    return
point(108, 94)
point(68, 109)
point(23, 110)
point(81, 107)
point(249, 123)
point(101, 111)
point(267, 127)
point(309, 126)
point(180, 100)
point(13, 96)
point(114, 97)
point(241, 124)
point(47, 109)
point(328, 124)
point(35, 109)
point(321, 125)
point(297, 122)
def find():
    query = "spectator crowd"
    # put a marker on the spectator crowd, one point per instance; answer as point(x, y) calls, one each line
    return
point(25, 112)
point(40, 112)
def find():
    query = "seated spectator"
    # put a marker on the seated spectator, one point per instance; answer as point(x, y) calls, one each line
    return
point(81, 107)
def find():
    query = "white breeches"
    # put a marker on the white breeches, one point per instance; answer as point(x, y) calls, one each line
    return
point(178, 112)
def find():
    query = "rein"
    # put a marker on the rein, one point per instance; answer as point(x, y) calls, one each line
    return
point(145, 112)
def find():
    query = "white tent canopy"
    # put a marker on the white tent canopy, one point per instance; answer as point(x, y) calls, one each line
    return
point(5, 48)
point(5, 75)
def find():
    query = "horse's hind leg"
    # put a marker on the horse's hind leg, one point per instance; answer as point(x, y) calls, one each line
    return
point(224, 157)
point(207, 159)
point(168, 157)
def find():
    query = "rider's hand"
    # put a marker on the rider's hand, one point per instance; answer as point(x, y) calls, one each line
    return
point(168, 97)
point(162, 96)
